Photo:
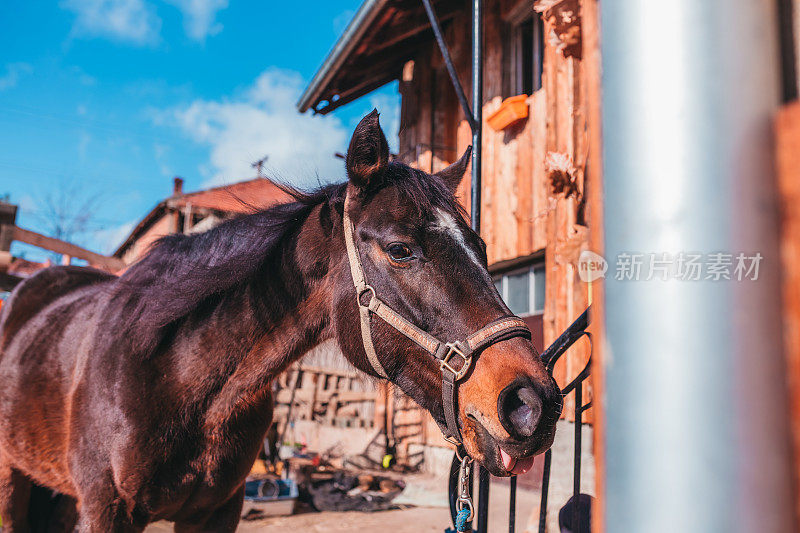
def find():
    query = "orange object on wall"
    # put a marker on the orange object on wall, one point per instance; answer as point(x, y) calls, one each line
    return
point(510, 111)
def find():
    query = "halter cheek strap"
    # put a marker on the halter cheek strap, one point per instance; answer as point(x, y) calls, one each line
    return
point(455, 358)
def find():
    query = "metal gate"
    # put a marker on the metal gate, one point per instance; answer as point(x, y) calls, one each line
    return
point(550, 356)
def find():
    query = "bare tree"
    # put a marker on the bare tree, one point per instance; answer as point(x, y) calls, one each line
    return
point(67, 212)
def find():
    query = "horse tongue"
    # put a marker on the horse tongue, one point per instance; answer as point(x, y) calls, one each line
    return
point(508, 461)
point(523, 465)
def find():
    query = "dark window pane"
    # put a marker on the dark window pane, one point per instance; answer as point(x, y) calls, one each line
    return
point(518, 298)
point(538, 52)
point(538, 289)
point(526, 56)
point(498, 282)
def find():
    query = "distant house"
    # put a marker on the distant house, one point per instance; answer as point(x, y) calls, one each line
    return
point(197, 211)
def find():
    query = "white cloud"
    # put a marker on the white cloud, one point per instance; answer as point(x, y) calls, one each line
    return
point(132, 21)
point(14, 71)
point(264, 121)
point(199, 17)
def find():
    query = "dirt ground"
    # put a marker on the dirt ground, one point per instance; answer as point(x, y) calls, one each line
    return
point(426, 513)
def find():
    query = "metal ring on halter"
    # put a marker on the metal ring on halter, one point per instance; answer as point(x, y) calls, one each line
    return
point(458, 454)
point(367, 288)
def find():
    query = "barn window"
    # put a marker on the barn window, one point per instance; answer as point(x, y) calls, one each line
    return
point(526, 55)
point(523, 290)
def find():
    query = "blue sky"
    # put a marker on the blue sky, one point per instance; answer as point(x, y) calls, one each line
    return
point(103, 101)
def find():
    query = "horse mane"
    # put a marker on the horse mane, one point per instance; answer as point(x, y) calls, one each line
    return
point(180, 272)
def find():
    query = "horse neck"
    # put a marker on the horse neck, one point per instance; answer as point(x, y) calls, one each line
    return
point(260, 328)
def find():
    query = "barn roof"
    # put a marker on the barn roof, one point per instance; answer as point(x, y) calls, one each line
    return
point(371, 52)
point(241, 197)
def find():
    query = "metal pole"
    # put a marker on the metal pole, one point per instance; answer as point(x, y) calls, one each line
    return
point(448, 61)
point(477, 112)
point(696, 408)
point(483, 500)
point(512, 505)
point(576, 471)
point(475, 195)
point(548, 458)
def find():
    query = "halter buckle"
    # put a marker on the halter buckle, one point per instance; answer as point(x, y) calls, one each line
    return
point(453, 349)
point(366, 289)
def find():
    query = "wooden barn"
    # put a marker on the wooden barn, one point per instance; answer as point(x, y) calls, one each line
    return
point(533, 209)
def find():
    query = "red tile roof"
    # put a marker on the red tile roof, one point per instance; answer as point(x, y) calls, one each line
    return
point(242, 197)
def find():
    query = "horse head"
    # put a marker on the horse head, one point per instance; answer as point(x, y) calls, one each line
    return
point(426, 297)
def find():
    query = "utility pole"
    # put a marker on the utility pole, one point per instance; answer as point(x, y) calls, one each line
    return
point(259, 164)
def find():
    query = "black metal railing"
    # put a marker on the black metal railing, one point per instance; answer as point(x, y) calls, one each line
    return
point(550, 356)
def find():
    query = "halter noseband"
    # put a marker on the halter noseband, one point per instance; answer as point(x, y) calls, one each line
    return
point(445, 352)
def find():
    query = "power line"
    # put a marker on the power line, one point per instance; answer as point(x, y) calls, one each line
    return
point(107, 127)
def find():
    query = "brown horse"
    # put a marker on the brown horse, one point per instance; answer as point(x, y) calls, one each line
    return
point(147, 396)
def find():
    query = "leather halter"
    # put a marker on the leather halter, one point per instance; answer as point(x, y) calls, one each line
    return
point(446, 353)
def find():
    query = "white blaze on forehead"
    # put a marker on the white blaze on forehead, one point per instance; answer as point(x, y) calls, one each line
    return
point(446, 223)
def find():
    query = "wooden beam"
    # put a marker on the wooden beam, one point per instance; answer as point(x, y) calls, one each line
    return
point(362, 90)
point(788, 159)
point(62, 247)
point(411, 29)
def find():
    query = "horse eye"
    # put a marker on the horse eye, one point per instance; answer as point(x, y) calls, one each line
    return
point(399, 251)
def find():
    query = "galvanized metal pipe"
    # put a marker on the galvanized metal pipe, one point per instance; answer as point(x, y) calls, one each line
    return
point(475, 197)
point(696, 409)
point(477, 112)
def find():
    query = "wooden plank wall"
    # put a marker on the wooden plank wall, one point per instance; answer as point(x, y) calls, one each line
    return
point(520, 213)
point(566, 296)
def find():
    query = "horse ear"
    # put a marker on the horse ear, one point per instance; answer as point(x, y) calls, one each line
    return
point(453, 174)
point(368, 153)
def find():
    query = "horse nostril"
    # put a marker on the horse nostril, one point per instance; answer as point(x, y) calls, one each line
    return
point(520, 409)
